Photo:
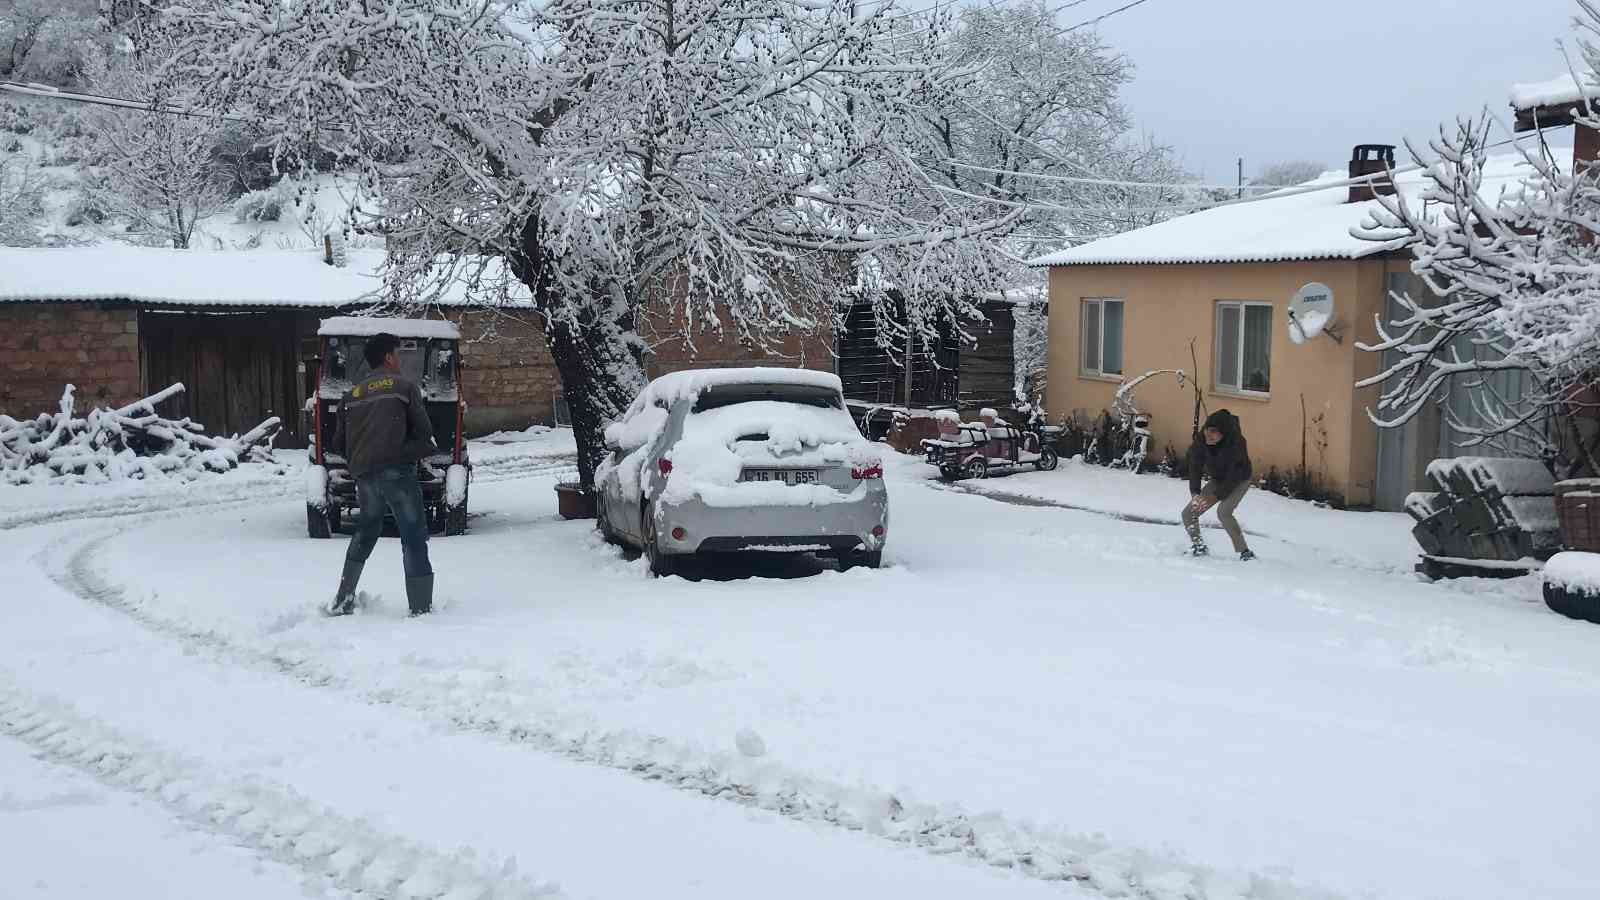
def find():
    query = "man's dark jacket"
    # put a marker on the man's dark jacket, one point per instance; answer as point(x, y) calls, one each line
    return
point(1227, 464)
point(382, 422)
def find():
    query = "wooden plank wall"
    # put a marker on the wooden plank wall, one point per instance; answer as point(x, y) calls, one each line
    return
point(988, 377)
point(238, 368)
point(873, 374)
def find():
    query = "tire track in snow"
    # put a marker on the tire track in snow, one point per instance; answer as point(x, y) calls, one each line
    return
point(1088, 862)
point(1000, 495)
point(508, 468)
point(333, 850)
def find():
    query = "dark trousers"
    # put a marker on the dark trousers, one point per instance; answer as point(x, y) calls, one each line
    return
point(395, 489)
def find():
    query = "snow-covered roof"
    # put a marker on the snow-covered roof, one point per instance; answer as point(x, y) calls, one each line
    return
point(367, 326)
point(231, 278)
point(1558, 91)
point(1290, 225)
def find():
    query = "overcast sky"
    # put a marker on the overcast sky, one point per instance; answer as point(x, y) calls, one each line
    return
point(1272, 80)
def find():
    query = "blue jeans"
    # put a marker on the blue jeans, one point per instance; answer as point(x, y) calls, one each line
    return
point(392, 488)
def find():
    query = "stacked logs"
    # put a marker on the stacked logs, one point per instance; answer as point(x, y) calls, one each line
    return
point(127, 443)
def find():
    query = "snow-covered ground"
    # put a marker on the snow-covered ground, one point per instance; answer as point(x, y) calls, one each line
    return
point(1030, 699)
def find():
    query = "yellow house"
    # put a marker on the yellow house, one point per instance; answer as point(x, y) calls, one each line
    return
point(1220, 281)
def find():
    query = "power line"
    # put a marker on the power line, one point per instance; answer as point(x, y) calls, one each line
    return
point(1112, 182)
point(51, 93)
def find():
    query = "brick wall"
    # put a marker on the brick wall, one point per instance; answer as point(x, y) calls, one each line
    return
point(45, 346)
point(509, 380)
point(805, 350)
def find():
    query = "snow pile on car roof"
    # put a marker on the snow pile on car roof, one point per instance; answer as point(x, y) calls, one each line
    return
point(367, 326)
point(692, 382)
point(719, 444)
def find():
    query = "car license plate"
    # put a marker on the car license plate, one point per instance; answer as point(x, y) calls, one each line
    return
point(786, 476)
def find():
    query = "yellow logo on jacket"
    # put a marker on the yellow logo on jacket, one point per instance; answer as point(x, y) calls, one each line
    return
point(377, 384)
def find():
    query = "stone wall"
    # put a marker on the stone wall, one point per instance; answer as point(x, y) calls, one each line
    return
point(46, 346)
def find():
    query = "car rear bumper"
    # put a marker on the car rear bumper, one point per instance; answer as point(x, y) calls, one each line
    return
point(859, 521)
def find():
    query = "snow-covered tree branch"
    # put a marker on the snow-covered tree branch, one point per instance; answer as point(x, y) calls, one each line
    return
point(156, 172)
point(726, 166)
point(1038, 124)
point(1512, 274)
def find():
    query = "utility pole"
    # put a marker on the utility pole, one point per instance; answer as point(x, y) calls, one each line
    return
point(1240, 194)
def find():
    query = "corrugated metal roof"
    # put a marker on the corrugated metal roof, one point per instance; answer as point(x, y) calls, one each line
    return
point(1295, 227)
point(247, 279)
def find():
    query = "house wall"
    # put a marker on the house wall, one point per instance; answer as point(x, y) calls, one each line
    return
point(45, 346)
point(1168, 305)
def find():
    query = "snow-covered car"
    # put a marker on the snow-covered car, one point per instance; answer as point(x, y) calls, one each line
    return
point(430, 356)
point(761, 459)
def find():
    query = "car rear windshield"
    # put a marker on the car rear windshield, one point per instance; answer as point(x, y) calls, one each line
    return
point(804, 395)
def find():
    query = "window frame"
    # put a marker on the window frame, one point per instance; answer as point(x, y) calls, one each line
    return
point(1083, 338)
point(1238, 390)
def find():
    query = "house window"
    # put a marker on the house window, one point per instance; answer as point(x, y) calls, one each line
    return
point(1102, 337)
point(1244, 347)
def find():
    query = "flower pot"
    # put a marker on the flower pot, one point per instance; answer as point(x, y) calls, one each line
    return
point(573, 501)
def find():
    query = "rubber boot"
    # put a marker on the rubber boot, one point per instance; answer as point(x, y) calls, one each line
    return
point(419, 593)
point(344, 600)
point(1199, 549)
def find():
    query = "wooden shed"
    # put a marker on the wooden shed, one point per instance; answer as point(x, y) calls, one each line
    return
point(948, 375)
point(236, 328)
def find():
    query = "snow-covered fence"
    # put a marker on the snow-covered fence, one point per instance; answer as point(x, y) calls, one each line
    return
point(112, 444)
point(1487, 509)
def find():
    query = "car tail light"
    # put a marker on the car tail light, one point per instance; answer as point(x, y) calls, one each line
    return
point(679, 534)
point(877, 531)
point(665, 465)
point(869, 472)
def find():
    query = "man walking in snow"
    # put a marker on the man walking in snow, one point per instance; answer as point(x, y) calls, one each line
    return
point(1222, 458)
point(383, 430)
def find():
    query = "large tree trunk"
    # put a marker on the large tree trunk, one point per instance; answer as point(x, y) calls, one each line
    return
point(600, 376)
point(596, 352)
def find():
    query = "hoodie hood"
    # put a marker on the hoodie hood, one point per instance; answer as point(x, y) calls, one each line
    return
point(1225, 422)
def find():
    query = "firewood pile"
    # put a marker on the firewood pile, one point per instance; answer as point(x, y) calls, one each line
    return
point(115, 444)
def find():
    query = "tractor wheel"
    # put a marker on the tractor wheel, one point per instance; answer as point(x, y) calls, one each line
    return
point(455, 519)
point(321, 523)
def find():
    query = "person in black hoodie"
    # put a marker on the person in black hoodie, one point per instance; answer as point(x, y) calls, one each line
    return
point(1220, 456)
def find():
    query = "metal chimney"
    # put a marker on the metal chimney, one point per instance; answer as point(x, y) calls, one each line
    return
point(1370, 159)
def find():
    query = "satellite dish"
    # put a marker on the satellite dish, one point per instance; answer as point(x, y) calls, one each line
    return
point(1311, 313)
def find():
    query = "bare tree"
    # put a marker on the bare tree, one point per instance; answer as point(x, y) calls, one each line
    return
point(157, 172)
point(734, 166)
point(22, 191)
point(1289, 173)
point(1039, 125)
point(39, 38)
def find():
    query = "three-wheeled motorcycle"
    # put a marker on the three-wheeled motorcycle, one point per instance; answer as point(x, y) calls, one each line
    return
point(977, 449)
point(430, 355)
